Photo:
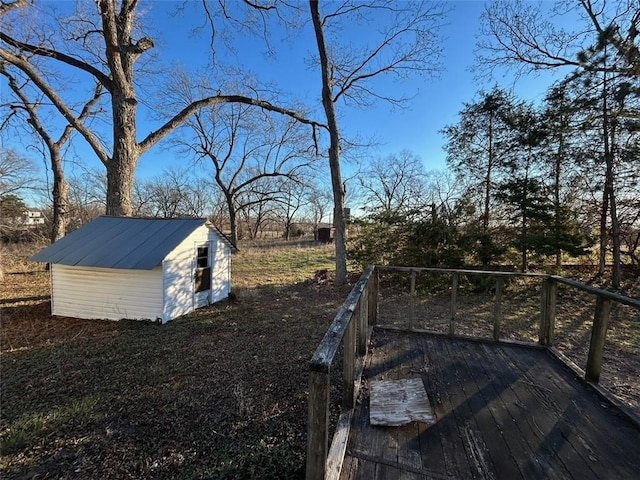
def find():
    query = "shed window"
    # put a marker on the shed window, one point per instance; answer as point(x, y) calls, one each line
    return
point(203, 257)
point(203, 270)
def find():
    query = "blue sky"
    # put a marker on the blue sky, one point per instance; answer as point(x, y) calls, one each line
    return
point(415, 128)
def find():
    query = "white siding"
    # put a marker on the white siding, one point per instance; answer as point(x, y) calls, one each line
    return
point(89, 292)
point(221, 270)
point(179, 271)
point(165, 292)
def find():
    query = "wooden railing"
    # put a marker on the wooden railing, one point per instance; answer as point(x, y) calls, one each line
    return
point(349, 327)
point(360, 310)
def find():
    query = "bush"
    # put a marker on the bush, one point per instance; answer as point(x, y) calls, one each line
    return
point(386, 239)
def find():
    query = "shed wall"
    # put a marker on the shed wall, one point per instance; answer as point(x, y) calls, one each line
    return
point(91, 292)
point(221, 271)
point(179, 271)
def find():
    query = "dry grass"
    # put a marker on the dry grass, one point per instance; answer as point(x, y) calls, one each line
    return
point(279, 266)
point(220, 393)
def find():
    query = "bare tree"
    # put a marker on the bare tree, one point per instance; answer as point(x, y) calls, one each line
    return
point(394, 184)
point(106, 47)
point(86, 197)
point(17, 172)
point(174, 193)
point(443, 188)
point(319, 200)
point(245, 147)
point(407, 44)
point(217, 213)
point(53, 146)
point(255, 207)
point(525, 35)
point(290, 202)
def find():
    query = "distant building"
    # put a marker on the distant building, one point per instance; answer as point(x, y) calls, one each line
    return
point(33, 218)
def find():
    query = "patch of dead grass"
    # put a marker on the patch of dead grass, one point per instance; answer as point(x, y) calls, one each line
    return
point(220, 393)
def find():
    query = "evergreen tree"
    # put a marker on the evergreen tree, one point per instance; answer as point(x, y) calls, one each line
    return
point(562, 144)
point(608, 103)
point(477, 149)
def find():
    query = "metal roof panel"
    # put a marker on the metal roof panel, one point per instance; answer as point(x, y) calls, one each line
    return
point(120, 242)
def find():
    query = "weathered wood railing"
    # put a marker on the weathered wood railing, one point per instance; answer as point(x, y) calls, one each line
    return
point(547, 306)
point(600, 321)
point(360, 310)
point(349, 327)
point(548, 298)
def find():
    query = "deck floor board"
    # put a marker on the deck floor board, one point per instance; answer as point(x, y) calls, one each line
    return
point(502, 411)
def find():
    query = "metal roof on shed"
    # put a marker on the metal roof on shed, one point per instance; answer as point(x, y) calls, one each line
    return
point(120, 242)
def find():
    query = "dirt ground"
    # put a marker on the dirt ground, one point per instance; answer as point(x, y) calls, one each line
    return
point(220, 393)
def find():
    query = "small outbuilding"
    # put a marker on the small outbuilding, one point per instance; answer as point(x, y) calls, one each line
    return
point(138, 268)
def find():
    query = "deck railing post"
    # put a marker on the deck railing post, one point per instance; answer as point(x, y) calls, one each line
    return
point(317, 425)
point(363, 319)
point(374, 283)
point(349, 362)
point(454, 294)
point(598, 335)
point(412, 300)
point(497, 309)
point(548, 297)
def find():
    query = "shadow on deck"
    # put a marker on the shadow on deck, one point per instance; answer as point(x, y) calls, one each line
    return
point(502, 411)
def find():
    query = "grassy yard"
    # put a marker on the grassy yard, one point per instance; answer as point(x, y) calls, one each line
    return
point(220, 393)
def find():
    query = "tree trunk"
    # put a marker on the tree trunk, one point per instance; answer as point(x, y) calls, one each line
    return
point(523, 193)
point(525, 264)
point(602, 258)
point(616, 277)
point(487, 187)
point(60, 200)
point(609, 140)
point(556, 191)
point(233, 220)
point(334, 150)
point(121, 54)
point(120, 186)
point(121, 168)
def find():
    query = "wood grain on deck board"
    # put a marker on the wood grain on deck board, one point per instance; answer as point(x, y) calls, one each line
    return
point(501, 411)
point(398, 402)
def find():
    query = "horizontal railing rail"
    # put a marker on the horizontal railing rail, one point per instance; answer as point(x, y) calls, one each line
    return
point(349, 328)
point(360, 310)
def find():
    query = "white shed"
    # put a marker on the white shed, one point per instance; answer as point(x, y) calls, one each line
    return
point(138, 268)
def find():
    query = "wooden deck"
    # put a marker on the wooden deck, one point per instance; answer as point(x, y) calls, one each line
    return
point(502, 412)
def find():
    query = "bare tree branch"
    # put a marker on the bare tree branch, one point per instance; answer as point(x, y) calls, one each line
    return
point(8, 6)
point(181, 116)
point(523, 35)
point(46, 52)
point(58, 102)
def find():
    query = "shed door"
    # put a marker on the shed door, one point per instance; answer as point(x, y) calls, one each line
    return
point(202, 276)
